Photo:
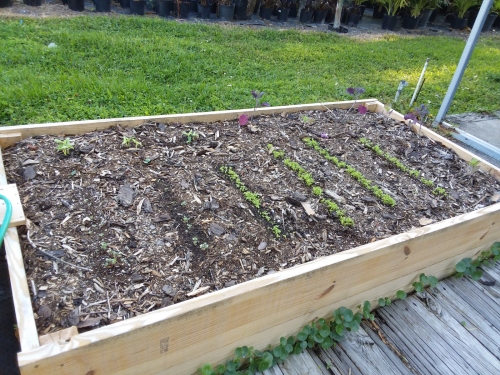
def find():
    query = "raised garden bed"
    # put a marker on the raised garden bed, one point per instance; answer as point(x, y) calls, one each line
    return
point(228, 215)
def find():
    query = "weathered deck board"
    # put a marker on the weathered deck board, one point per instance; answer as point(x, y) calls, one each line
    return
point(306, 363)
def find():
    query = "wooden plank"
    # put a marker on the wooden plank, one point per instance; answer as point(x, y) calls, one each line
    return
point(453, 310)
point(260, 311)
point(338, 362)
point(369, 358)
point(422, 341)
point(11, 193)
point(473, 296)
point(460, 151)
point(28, 335)
point(386, 348)
point(63, 335)
point(459, 339)
point(80, 127)
point(302, 364)
point(7, 140)
point(423, 364)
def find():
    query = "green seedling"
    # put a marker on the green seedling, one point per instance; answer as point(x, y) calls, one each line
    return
point(317, 191)
point(195, 241)
point(113, 259)
point(474, 165)
point(191, 135)
point(64, 146)
point(204, 246)
point(128, 141)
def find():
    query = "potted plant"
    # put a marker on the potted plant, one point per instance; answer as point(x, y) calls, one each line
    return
point(320, 8)
point(183, 8)
point(355, 12)
point(5, 3)
point(33, 3)
point(294, 8)
point(461, 7)
point(252, 5)
point(490, 19)
point(391, 19)
point(283, 7)
point(226, 10)
point(330, 15)
point(240, 9)
point(76, 5)
point(266, 9)
point(102, 6)
point(204, 7)
point(428, 12)
point(413, 13)
point(137, 7)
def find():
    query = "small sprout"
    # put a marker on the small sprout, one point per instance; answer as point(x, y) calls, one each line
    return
point(64, 146)
point(183, 203)
point(463, 323)
point(276, 230)
point(147, 161)
point(307, 119)
point(204, 246)
point(127, 142)
point(104, 245)
point(257, 95)
point(317, 191)
point(191, 136)
point(473, 162)
point(185, 219)
point(355, 91)
point(195, 240)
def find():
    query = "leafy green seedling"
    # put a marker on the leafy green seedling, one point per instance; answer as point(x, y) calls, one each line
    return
point(64, 146)
point(204, 246)
point(128, 141)
point(191, 136)
point(317, 191)
point(401, 294)
point(195, 241)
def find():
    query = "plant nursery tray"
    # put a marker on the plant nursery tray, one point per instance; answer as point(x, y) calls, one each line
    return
point(156, 244)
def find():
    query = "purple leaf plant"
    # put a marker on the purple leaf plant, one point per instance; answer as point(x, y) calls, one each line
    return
point(418, 115)
point(257, 95)
point(356, 92)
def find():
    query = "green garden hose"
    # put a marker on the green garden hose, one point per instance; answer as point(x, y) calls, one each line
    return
point(6, 219)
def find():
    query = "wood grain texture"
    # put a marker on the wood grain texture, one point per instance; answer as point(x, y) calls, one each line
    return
point(260, 311)
point(7, 140)
point(369, 357)
point(11, 193)
point(80, 127)
point(63, 335)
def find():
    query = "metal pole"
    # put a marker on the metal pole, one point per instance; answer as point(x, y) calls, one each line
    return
point(402, 85)
point(338, 13)
point(464, 60)
point(420, 81)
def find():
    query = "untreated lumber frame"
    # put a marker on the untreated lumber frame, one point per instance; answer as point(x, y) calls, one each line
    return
point(179, 338)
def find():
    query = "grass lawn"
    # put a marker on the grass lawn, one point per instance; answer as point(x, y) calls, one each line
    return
point(107, 67)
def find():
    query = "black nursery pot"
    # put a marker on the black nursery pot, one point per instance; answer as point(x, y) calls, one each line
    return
point(490, 20)
point(226, 12)
point(265, 13)
point(204, 11)
point(125, 3)
point(378, 12)
point(458, 23)
point(410, 22)
point(137, 7)
point(330, 15)
point(424, 18)
point(240, 9)
point(184, 8)
point(102, 6)
point(318, 16)
point(5, 3)
point(34, 3)
point(165, 8)
point(390, 22)
point(305, 16)
point(76, 5)
point(293, 11)
point(283, 14)
point(193, 5)
point(353, 20)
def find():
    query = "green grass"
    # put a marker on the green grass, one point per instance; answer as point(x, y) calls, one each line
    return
point(130, 66)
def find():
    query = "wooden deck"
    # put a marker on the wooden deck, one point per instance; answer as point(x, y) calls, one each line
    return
point(451, 329)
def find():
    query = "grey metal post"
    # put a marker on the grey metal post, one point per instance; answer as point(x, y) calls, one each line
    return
point(464, 60)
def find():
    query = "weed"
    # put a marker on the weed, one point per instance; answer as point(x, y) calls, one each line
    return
point(64, 146)
point(276, 230)
point(469, 267)
point(204, 246)
point(104, 245)
point(473, 165)
point(424, 281)
point(127, 142)
point(191, 136)
point(112, 261)
point(317, 191)
point(195, 240)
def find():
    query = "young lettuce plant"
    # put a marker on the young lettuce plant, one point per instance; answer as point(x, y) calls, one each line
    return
point(257, 95)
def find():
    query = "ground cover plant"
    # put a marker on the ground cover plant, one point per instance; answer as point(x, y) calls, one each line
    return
point(134, 220)
point(132, 66)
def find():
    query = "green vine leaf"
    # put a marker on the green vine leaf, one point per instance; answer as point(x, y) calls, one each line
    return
point(401, 294)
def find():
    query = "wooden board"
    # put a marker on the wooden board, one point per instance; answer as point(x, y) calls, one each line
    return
point(11, 193)
point(179, 338)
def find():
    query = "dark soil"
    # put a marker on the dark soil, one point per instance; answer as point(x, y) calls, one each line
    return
point(158, 224)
